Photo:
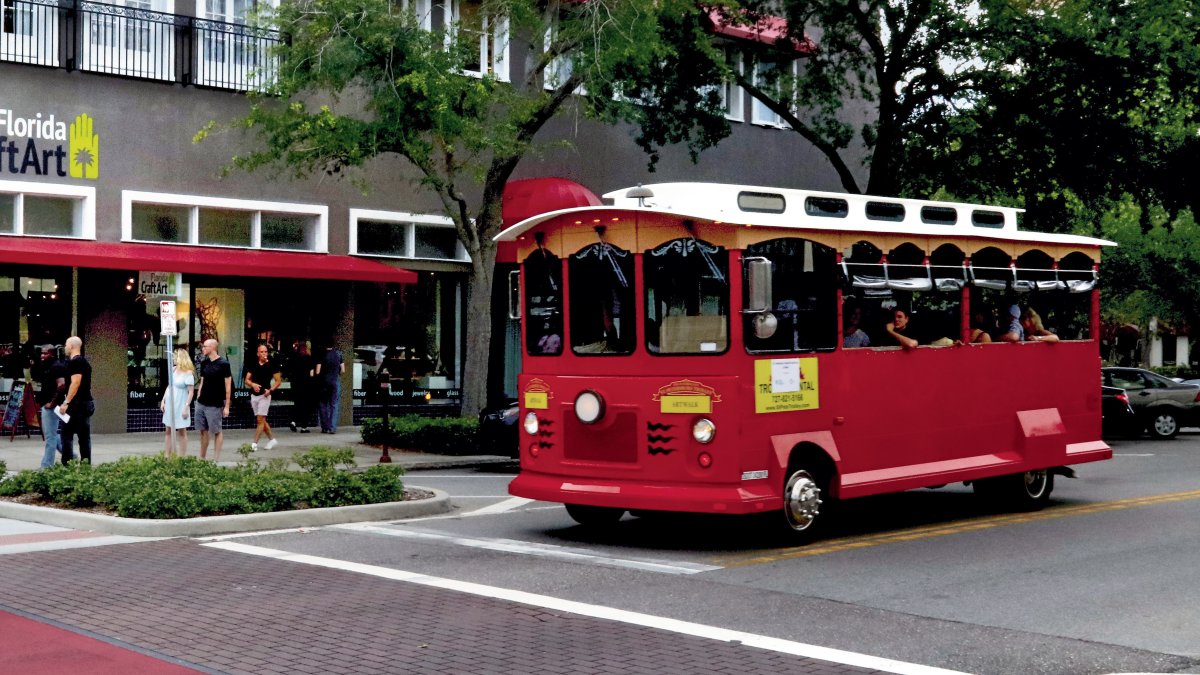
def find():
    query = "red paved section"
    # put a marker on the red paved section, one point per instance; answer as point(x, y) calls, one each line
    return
point(39, 537)
point(34, 648)
point(244, 614)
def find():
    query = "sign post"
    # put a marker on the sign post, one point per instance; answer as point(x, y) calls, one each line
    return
point(166, 315)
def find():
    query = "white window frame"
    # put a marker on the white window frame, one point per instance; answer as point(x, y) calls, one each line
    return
point(773, 121)
point(494, 40)
point(410, 233)
point(86, 226)
point(732, 94)
point(254, 206)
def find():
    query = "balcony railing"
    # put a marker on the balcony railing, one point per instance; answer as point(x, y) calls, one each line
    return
point(138, 43)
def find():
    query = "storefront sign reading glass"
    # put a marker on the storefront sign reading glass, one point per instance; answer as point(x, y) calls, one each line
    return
point(159, 284)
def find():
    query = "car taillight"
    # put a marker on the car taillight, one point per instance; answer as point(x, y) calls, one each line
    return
point(1123, 398)
point(1198, 397)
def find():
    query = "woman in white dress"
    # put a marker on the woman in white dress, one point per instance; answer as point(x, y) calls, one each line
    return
point(179, 419)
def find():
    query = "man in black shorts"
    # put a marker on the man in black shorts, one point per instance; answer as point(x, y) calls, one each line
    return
point(77, 406)
point(212, 398)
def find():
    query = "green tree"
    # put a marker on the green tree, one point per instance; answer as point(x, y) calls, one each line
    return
point(878, 72)
point(1080, 102)
point(359, 79)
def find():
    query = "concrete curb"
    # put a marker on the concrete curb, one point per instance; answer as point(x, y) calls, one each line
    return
point(245, 522)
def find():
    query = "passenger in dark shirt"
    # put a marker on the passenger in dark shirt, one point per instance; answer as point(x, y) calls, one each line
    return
point(77, 404)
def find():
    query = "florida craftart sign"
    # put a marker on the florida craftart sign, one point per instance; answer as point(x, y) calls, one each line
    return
point(41, 145)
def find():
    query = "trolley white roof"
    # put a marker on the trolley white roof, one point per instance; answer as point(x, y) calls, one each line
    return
point(802, 210)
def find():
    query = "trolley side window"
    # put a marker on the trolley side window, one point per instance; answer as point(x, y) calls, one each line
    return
point(687, 298)
point(803, 312)
point(543, 303)
point(602, 303)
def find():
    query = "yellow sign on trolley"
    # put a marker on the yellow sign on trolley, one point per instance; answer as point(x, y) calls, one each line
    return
point(783, 385)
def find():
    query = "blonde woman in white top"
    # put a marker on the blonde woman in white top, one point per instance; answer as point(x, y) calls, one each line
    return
point(180, 418)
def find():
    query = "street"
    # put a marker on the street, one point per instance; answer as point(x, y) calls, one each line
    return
point(1104, 580)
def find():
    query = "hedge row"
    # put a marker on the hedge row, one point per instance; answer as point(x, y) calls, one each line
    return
point(438, 435)
point(162, 487)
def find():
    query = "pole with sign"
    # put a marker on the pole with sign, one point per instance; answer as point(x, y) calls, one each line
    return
point(166, 315)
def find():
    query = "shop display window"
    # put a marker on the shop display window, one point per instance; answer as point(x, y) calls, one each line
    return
point(288, 231)
point(161, 223)
point(8, 205)
point(35, 310)
point(225, 227)
point(146, 356)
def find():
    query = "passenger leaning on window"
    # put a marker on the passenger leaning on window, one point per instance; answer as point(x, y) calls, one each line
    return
point(901, 329)
point(1015, 332)
point(1034, 330)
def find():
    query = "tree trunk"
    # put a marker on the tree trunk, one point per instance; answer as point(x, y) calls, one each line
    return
point(478, 327)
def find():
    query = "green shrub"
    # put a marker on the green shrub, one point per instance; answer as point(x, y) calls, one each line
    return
point(160, 487)
point(438, 435)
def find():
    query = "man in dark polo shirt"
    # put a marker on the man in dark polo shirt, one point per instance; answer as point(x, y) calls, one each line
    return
point(52, 388)
point(212, 398)
point(77, 405)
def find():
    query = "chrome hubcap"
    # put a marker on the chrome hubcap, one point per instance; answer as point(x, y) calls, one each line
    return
point(801, 500)
point(1035, 483)
point(1164, 425)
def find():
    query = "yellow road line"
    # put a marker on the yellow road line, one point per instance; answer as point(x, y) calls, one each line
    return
point(969, 525)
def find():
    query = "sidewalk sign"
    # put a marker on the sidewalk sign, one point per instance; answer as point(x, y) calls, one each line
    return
point(166, 313)
point(17, 407)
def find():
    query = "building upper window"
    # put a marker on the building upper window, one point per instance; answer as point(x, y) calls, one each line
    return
point(731, 93)
point(771, 77)
point(47, 210)
point(482, 36)
point(207, 221)
point(405, 235)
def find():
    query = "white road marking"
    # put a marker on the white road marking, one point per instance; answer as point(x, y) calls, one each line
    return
point(257, 533)
point(600, 612)
point(1133, 454)
point(506, 505)
point(576, 555)
point(466, 514)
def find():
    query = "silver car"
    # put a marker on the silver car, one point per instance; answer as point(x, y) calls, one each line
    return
point(1162, 405)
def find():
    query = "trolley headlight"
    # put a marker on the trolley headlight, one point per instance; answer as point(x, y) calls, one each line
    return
point(531, 423)
point(589, 407)
point(704, 431)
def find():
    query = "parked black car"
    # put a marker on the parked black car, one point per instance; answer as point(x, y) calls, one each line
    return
point(1118, 416)
point(1162, 405)
point(498, 428)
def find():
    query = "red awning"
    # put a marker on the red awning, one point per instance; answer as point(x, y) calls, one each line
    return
point(535, 196)
point(767, 30)
point(234, 262)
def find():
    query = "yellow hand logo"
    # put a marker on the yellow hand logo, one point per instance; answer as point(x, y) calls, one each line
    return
point(85, 149)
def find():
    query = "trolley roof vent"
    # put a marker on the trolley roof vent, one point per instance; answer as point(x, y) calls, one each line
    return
point(761, 202)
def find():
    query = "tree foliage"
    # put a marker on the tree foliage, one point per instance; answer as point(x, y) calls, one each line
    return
point(359, 79)
point(906, 64)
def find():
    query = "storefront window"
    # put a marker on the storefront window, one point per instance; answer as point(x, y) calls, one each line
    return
point(161, 223)
point(52, 216)
point(223, 227)
point(382, 238)
point(8, 205)
point(413, 331)
point(35, 310)
point(440, 243)
point(147, 358)
point(287, 231)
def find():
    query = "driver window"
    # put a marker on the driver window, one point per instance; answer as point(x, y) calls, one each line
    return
point(803, 315)
point(543, 303)
point(687, 298)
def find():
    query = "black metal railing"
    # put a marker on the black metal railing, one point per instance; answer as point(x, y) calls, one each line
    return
point(138, 43)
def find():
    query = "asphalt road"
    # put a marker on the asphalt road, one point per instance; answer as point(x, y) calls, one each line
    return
point(1106, 579)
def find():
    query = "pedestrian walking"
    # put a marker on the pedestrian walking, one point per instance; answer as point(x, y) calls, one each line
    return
point(329, 370)
point(300, 376)
point(77, 407)
point(212, 398)
point(263, 377)
point(52, 389)
point(178, 419)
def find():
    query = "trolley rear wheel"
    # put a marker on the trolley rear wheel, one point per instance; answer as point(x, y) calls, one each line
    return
point(594, 515)
point(1028, 491)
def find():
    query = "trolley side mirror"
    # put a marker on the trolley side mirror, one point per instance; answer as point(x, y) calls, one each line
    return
point(758, 274)
point(514, 295)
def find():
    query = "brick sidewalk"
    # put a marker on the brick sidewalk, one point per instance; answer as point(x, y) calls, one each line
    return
point(241, 614)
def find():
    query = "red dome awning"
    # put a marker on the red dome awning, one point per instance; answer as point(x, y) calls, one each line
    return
point(535, 196)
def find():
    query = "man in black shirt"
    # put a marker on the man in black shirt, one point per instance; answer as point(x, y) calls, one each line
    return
point(77, 406)
point(212, 398)
point(263, 378)
point(51, 374)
